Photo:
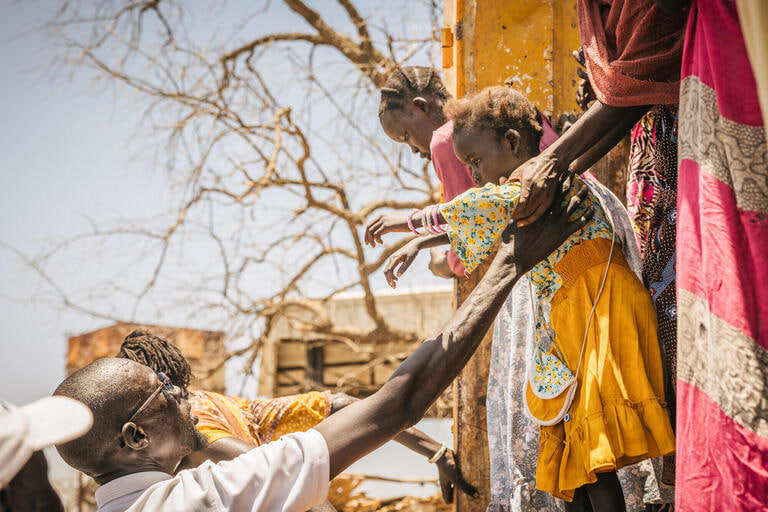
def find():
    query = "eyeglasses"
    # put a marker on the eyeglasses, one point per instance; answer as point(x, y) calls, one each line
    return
point(166, 387)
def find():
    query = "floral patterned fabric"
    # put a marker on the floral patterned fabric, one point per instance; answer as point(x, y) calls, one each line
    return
point(257, 421)
point(550, 376)
point(479, 216)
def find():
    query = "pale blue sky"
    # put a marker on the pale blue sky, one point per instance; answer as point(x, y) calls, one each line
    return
point(64, 147)
point(69, 155)
point(72, 154)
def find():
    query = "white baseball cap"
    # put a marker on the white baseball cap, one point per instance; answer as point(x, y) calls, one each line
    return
point(45, 422)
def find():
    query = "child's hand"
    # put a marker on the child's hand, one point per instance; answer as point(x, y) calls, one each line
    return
point(438, 263)
point(383, 224)
point(403, 257)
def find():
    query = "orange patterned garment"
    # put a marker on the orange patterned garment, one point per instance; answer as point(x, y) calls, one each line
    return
point(257, 421)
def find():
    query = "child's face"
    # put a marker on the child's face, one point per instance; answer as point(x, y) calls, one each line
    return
point(488, 156)
point(410, 125)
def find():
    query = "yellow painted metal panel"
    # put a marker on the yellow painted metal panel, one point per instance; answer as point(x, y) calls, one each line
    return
point(530, 41)
point(566, 39)
point(514, 39)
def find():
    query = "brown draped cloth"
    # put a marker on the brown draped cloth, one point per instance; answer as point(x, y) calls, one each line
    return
point(633, 51)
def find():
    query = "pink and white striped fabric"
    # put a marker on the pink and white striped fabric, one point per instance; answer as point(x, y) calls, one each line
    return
point(722, 272)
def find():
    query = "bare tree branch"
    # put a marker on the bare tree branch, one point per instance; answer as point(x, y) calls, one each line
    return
point(276, 176)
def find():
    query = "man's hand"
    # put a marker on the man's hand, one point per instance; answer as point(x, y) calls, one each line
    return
point(533, 243)
point(451, 477)
point(539, 178)
point(383, 224)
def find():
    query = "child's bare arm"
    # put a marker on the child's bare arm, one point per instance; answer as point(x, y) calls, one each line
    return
point(383, 224)
point(404, 256)
point(393, 223)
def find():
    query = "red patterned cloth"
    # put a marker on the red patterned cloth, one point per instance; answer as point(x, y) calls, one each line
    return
point(722, 272)
point(633, 51)
point(652, 205)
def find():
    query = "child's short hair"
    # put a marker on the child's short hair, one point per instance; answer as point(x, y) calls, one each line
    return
point(499, 108)
point(409, 81)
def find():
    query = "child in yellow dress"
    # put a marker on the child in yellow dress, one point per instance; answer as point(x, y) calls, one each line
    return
point(595, 382)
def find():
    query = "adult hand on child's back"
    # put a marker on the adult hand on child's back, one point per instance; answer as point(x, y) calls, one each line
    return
point(531, 244)
point(383, 224)
point(539, 178)
point(402, 257)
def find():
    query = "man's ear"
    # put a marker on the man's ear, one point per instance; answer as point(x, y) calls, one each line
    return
point(513, 139)
point(420, 103)
point(134, 436)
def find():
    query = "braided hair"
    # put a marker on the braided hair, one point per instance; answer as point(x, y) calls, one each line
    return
point(406, 82)
point(158, 354)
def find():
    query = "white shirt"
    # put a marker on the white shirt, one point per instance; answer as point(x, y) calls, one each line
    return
point(290, 474)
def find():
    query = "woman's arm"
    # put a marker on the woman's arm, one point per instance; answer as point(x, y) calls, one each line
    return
point(599, 150)
point(591, 137)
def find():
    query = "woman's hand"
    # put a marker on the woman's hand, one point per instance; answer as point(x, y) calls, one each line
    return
point(402, 257)
point(585, 95)
point(451, 477)
point(383, 224)
point(539, 178)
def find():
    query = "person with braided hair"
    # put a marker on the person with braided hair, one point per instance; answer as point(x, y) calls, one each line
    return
point(233, 425)
point(411, 112)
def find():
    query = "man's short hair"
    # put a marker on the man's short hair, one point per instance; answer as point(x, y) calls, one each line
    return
point(109, 388)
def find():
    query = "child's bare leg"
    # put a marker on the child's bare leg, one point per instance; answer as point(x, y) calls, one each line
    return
point(580, 502)
point(606, 494)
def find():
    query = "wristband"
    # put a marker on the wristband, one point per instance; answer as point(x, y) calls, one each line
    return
point(438, 227)
point(410, 223)
point(438, 454)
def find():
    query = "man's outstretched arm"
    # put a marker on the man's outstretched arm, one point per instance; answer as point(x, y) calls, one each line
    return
point(365, 425)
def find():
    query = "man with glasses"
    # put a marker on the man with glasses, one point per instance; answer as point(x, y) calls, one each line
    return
point(143, 427)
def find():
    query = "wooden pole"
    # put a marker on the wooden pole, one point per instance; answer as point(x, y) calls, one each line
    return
point(530, 41)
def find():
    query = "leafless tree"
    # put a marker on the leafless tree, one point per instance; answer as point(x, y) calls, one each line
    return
point(272, 147)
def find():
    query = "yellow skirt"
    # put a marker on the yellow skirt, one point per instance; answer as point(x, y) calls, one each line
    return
point(618, 416)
